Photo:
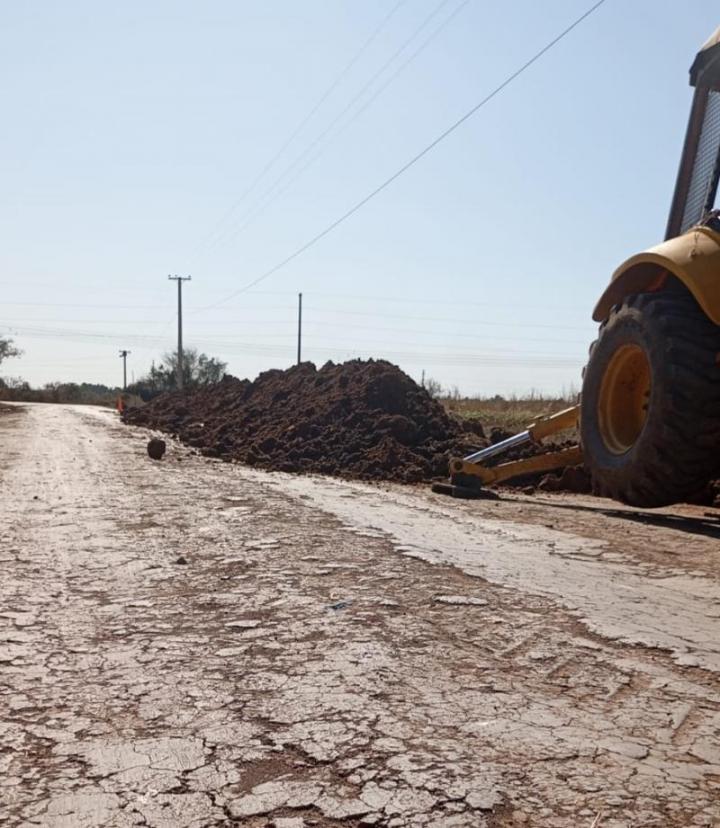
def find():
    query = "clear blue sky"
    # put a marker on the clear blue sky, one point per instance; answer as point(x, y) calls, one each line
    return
point(130, 130)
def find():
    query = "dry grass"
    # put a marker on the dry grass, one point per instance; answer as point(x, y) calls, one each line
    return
point(510, 414)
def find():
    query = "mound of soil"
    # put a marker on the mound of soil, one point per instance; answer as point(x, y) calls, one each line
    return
point(570, 479)
point(361, 419)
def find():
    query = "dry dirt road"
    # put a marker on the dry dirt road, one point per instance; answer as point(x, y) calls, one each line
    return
point(190, 643)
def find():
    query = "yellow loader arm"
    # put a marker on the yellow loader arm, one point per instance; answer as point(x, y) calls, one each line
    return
point(469, 473)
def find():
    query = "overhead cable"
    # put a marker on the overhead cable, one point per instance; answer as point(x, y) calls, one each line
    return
point(304, 121)
point(428, 148)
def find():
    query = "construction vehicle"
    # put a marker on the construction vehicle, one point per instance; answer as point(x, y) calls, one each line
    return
point(649, 418)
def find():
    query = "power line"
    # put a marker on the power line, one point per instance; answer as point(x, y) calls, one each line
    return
point(443, 135)
point(233, 344)
point(404, 300)
point(464, 323)
point(445, 319)
point(94, 321)
point(219, 339)
point(304, 121)
point(425, 333)
point(225, 339)
point(414, 300)
point(313, 294)
point(260, 207)
point(263, 207)
point(414, 356)
point(79, 305)
point(424, 344)
point(65, 333)
point(93, 286)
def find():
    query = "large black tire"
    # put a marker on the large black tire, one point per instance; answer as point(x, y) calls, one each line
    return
point(671, 449)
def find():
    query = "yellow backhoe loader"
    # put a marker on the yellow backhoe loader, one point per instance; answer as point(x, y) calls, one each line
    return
point(649, 417)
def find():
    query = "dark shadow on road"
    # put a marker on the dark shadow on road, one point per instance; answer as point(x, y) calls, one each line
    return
point(707, 526)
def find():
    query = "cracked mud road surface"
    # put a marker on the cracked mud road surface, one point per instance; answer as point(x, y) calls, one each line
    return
point(191, 643)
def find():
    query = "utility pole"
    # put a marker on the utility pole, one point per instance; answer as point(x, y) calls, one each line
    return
point(299, 327)
point(179, 373)
point(124, 356)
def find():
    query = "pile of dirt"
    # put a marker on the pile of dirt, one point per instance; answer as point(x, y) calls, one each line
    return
point(570, 479)
point(361, 419)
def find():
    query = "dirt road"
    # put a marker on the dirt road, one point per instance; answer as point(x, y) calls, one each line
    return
point(190, 643)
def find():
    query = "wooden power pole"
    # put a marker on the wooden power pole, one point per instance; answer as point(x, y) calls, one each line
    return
point(124, 356)
point(179, 372)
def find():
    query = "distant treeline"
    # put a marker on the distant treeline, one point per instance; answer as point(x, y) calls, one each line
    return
point(84, 393)
point(198, 369)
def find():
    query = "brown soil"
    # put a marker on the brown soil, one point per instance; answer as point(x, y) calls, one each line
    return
point(361, 419)
point(571, 479)
point(156, 448)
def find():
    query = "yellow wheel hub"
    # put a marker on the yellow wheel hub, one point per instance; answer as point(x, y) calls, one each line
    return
point(624, 398)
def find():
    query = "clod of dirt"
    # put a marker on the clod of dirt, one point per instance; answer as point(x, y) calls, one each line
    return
point(473, 426)
point(362, 419)
point(156, 448)
point(572, 479)
point(497, 435)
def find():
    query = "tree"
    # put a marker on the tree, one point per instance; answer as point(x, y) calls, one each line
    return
point(14, 384)
point(8, 349)
point(433, 387)
point(198, 369)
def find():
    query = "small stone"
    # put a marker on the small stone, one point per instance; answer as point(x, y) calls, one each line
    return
point(706, 751)
point(687, 660)
point(272, 795)
point(229, 652)
point(182, 560)
point(375, 796)
point(335, 808)
point(632, 750)
point(242, 624)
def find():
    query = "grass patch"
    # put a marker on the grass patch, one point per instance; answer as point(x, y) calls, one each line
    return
point(511, 414)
